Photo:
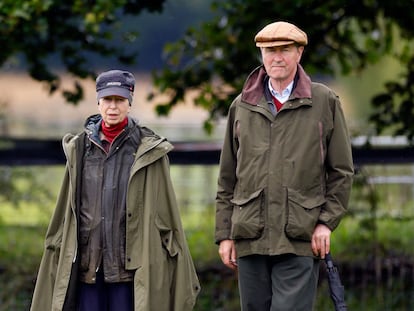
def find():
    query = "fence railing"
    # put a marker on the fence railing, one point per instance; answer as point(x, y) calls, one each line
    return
point(21, 151)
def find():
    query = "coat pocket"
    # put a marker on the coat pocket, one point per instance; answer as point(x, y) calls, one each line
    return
point(168, 238)
point(302, 214)
point(247, 218)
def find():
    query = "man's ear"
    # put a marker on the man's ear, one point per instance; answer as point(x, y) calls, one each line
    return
point(301, 48)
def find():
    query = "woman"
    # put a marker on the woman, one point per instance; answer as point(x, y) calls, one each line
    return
point(115, 240)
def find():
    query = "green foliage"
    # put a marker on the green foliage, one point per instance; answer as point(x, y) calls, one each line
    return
point(201, 241)
point(215, 58)
point(394, 109)
point(20, 185)
point(378, 224)
point(71, 31)
point(21, 248)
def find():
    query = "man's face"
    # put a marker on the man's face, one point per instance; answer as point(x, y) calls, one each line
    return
point(281, 62)
point(113, 109)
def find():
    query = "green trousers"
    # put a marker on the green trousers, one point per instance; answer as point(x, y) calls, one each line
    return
point(277, 283)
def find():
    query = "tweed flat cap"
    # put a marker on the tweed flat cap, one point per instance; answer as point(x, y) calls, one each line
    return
point(115, 82)
point(280, 33)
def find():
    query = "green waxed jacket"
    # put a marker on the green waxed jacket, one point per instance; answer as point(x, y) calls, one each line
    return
point(156, 246)
point(282, 174)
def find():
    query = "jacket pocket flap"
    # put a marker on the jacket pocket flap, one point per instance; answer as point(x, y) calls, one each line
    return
point(243, 201)
point(307, 201)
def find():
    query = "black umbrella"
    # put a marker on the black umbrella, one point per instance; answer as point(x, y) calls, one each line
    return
point(335, 286)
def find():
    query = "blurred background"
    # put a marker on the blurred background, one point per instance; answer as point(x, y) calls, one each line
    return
point(190, 59)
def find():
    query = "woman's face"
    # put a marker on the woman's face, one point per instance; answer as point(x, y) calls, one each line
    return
point(113, 109)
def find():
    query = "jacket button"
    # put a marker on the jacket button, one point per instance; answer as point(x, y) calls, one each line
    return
point(129, 214)
point(129, 259)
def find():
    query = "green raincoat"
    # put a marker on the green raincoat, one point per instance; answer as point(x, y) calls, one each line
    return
point(282, 174)
point(156, 246)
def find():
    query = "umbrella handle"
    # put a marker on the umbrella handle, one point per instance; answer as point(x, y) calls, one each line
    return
point(329, 261)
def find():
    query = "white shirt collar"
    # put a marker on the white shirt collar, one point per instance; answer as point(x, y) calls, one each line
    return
point(285, 93)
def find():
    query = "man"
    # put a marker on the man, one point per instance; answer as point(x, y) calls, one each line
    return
point(285, 177)
point(115, 240)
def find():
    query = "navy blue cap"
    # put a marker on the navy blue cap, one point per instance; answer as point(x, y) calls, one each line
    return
point(115, 82)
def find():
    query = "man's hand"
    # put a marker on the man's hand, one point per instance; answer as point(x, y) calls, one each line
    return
point(227, 253)
point(321, 240)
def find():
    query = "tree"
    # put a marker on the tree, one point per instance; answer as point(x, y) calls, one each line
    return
point(69, 33)
point(344, 36)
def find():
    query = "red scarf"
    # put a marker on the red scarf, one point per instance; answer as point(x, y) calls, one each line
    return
point(111, 132)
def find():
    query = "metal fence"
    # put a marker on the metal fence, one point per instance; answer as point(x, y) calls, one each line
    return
point(20, 151)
